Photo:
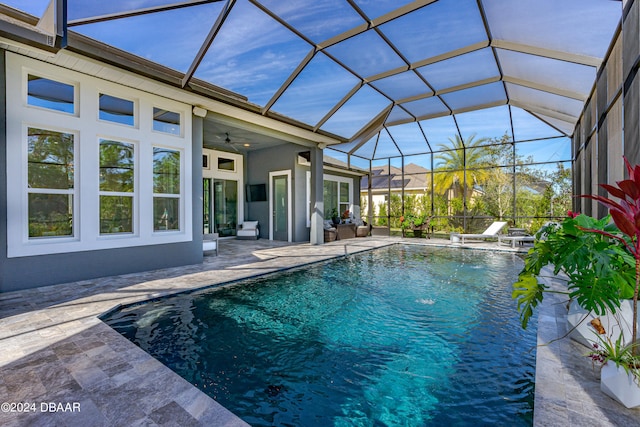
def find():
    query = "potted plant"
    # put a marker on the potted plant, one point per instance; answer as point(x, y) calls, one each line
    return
point(598, 270)
point(346, 216)
point(335, 218)
point(416, 223)
point(601, 260)
point(619, 370)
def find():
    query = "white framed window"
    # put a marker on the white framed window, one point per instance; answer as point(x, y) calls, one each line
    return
point(337, 195)
point(117, 186)
point(167, 121)
point(50, 183)
point(50, 94)
point(79, 176)
point(116, 110)
point(226, 164)
point(226, 191)
point(166, 189)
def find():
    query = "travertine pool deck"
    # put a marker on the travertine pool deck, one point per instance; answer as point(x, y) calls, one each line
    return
point(55, 353)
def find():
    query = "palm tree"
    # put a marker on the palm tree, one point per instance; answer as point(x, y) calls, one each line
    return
point(456, 158)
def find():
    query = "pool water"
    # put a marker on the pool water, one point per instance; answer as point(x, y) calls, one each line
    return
point(405, 335)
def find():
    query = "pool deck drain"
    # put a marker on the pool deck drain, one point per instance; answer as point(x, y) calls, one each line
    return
point(57, 356)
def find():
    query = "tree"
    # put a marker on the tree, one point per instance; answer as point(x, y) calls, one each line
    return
point(458, 158)
point(382, 214)
point(561, 190)
point(395, 210)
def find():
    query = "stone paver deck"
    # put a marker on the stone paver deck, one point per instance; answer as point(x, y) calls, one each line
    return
point(55, 350)
point(567, 384)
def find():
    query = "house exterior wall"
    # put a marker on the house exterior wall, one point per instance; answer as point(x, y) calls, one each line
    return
point(260, 163)
point(27, 262)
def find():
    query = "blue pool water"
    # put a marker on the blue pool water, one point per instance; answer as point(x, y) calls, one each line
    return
point(406, 335)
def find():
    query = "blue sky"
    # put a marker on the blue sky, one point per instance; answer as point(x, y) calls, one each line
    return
point(254, 55)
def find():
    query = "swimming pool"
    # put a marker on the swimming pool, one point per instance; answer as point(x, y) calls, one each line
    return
point(405, 335)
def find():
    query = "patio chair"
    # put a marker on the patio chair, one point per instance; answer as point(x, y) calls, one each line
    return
point(248, 231)
point(362, 228)
point(489, 233)
point(210, 243)
point(330, 232)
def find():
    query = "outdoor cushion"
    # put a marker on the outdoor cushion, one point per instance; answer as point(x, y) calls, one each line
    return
point(249, 225)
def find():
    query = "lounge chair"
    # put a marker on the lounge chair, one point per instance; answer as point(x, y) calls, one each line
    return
point(522, 238)
point(515, 239)
point(489, 233)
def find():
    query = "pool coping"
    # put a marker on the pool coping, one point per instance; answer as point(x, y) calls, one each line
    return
point(57, 350)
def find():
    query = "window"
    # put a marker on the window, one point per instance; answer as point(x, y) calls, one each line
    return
point(345, 200)
point(117, 176)
point(330, 198)
point(85, 169)
point(117, 110)
point(50, 183)
point(226, 164)
point(50, 94)
point(166, 189)
point(166, 121)
point(337, 195)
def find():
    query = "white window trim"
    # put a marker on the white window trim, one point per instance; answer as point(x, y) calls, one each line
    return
point(237, 175)
point(37, 71)
point(133, 194)
point(182, 115)
point(235, 162)
point(119, 94)
point(179, 196)
point(340, 179)
point(87, 129)
point(25, 200)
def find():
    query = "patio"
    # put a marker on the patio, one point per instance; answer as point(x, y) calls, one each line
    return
point(57, 350)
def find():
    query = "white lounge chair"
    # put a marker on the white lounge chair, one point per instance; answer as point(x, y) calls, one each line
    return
point(516, 239)
point(541, 234)
point(489, 233)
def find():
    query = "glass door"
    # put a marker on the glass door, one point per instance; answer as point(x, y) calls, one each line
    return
point(225, 206)
point(280, 208)
point(206, 206)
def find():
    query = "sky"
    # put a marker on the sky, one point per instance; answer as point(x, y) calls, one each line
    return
point(254, 55)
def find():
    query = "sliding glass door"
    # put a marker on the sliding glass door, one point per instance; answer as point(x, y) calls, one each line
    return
point(225, 206)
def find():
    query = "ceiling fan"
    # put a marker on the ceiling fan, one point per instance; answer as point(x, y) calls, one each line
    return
point(233, 144)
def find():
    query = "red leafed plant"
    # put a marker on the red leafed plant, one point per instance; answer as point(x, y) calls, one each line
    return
point(626, 215)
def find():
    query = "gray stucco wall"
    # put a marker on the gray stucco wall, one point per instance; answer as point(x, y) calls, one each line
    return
point(284, 157)
point(258, 165)
point(33, 271)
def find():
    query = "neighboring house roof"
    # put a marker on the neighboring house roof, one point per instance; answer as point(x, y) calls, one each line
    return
point(332, 162)
point(415, 178)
